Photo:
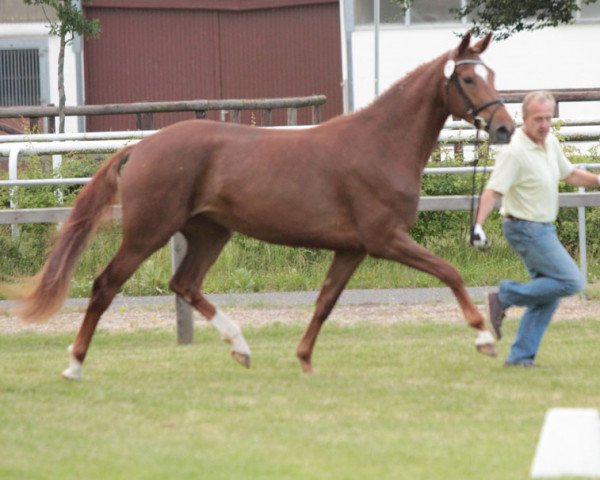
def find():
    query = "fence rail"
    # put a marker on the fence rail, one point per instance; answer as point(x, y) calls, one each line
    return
point(437, 203)
point(145, 111)
point(560, 95)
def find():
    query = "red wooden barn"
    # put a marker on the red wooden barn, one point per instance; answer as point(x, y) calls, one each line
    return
point(156, 50)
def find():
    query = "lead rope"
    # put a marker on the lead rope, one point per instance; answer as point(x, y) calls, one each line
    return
point(475, 211)
point(472, 213)
point(479, 122)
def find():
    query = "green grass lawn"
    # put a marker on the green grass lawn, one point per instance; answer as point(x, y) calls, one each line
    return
point(405, 401)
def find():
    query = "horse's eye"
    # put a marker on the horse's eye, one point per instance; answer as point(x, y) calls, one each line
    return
point(469, 80)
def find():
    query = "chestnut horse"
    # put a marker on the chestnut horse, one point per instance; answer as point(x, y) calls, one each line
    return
point(351, 185)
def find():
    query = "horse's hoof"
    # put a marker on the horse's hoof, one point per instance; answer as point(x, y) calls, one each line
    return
point(305, 362)
point(242, 358)
point(72, 374)
point(485, 344)
point(488, 349)
point(307, 368)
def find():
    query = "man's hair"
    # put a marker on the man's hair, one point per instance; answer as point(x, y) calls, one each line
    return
point(537, 95)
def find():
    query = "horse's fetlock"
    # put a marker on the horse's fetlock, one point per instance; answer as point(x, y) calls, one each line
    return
point(230, 332)
point(75, 369)
point(484, 338)
point(477, 324)
point(76, 353)
point(303, 356)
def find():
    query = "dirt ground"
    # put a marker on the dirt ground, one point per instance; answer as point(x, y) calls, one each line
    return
point(163, 317)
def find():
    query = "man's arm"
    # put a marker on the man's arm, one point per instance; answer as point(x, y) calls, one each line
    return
point(487, 202)
point(583, 178)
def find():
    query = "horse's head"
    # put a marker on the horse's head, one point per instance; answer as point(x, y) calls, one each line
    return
point(470, 91)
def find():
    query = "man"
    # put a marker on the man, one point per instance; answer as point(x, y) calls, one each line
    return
point(526, 177)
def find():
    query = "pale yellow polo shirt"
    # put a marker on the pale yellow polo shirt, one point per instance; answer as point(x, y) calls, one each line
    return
point(527, 176)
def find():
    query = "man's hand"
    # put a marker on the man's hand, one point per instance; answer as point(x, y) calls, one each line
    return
point(478, 238)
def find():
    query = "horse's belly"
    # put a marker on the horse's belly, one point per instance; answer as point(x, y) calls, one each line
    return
point(292, 230)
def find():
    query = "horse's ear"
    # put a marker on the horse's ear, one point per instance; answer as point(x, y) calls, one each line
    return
point(464, 44)
point(482, 44)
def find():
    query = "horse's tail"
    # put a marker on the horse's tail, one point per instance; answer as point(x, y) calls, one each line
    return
point(51, 285)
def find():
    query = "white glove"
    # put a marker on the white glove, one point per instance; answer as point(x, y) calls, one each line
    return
point(478, 238)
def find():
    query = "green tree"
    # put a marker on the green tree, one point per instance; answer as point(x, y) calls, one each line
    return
point(69, 21)
point(507, 17)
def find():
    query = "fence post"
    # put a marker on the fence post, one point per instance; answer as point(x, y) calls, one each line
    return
point(292, 116)
point(183, 311)
point(33, 124)
point(48, 122)
point(235, 116)
point(13, 162)
point(144, 121)
point(582, 241)
point(316, 114)
point(266, 118)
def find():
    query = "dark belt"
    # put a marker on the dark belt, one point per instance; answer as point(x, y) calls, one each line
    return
point(510, 218)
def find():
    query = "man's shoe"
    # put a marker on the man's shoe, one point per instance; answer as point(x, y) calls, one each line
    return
point(496, 313)
point(523, 363)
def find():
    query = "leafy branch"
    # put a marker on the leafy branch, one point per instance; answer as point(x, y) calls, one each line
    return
point(507, 17)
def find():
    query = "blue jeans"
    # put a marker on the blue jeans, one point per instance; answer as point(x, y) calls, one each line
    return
point(554, 274)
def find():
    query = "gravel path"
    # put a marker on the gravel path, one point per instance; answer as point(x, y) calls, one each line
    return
point(255, 310)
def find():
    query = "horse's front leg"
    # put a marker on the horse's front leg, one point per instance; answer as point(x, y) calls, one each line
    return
point(343, 266)
point(401, 248)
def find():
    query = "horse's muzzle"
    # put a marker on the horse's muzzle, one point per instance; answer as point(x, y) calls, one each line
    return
point(501, 134)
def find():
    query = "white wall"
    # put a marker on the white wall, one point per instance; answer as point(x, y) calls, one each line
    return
point(13, 33)
point(562, 57)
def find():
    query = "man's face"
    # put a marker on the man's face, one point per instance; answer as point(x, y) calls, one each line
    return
point(537, 121)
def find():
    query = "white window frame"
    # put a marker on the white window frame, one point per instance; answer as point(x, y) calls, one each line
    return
point(580, 19)
point(407, 22)
point(42, 47)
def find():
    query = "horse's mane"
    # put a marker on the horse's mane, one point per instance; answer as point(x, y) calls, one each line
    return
point(414, 73)
point(402, 84)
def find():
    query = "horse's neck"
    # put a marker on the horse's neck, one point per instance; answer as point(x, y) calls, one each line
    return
point(414, 108)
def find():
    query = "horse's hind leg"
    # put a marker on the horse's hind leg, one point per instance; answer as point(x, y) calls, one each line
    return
point(405, 250)
point(205, 241)
point(343, 266)
point(105, 287)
